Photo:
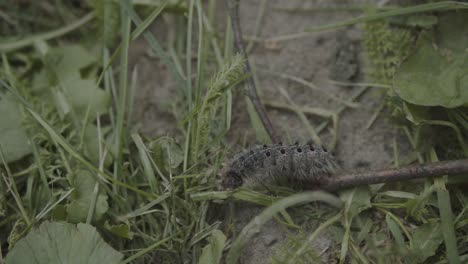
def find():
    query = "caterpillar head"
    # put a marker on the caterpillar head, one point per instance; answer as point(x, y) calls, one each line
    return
point(231, 180)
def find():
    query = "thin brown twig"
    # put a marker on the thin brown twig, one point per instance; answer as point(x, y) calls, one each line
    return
point(342, 181)
point(417, 171)
point(233, 8)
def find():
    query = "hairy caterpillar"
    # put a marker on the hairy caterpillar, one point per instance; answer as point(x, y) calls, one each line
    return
point(266, 164)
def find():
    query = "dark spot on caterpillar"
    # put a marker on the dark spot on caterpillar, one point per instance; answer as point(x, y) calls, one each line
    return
point(268, 164)
point(232, 180)
point(280, 143)
point(324, 149)
point(296, 143)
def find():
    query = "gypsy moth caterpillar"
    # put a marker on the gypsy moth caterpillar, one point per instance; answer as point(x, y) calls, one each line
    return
point(267, 164)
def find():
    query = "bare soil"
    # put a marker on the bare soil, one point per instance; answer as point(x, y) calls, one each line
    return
point(313, 58)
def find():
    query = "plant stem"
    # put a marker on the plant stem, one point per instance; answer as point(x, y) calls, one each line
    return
point(418, 171)
point(233, 9)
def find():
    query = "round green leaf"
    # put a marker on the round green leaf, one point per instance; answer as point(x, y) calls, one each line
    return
point(13, 138)
point(436, 74)
point(54, 243)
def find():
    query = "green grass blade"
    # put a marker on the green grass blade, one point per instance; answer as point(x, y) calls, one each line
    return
point(165, 57)
point(42, 173)
point(47, 209)
point(439, 6)
point(135, 34)
point(345, 242)
point(62, 142)
point(146, 250)
point(446, 216)
point(260, 131)
point(14, 45)
point(201, 61)
point(145, 159)
point(69, 149)
point(11, 186)
point(311, 238)
point(121, 108)
point(395, 230)
point(251, 228)
point(196, 110)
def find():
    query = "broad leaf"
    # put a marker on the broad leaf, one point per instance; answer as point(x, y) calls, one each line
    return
point(91, 144)
point(13, 138)
point(81, 94)
point(167, 153)
point(55, 242)
point(61, 79)
point(122, 230)
point(213, 252)
point(356, 200)
point(436, 74)
point(83, 198)
point(67, 60)
point(426, 239)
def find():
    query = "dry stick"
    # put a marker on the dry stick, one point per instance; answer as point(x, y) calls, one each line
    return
point(417, 171)
point(233, 8)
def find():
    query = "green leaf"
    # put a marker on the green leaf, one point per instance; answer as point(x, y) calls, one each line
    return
point(450, 33)
point(81, 94)
point(107, 13)
point(91, 144)
point(68, 60)
point(61, 77)
point(395, 230)
point(260, 131)
point(356, 200)
point(166, 152)
point(13, 138)
point(54, 243)
point(416, 207)
point(40, 82)
point(60, 213)
point(83, 198)
point(122, 230)
point(213, 252)
point(436, 74)
point(415, 113)
point(426, 239)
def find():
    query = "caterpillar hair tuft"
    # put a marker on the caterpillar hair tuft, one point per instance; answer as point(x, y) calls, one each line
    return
point(268, 164)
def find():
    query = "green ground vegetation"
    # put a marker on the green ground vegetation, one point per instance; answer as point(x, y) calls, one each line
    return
point(78, 182)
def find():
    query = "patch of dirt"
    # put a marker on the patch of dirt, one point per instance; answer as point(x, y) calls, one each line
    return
point(314, 58)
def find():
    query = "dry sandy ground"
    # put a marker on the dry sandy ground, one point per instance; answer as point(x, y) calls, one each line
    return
point(312, 58)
